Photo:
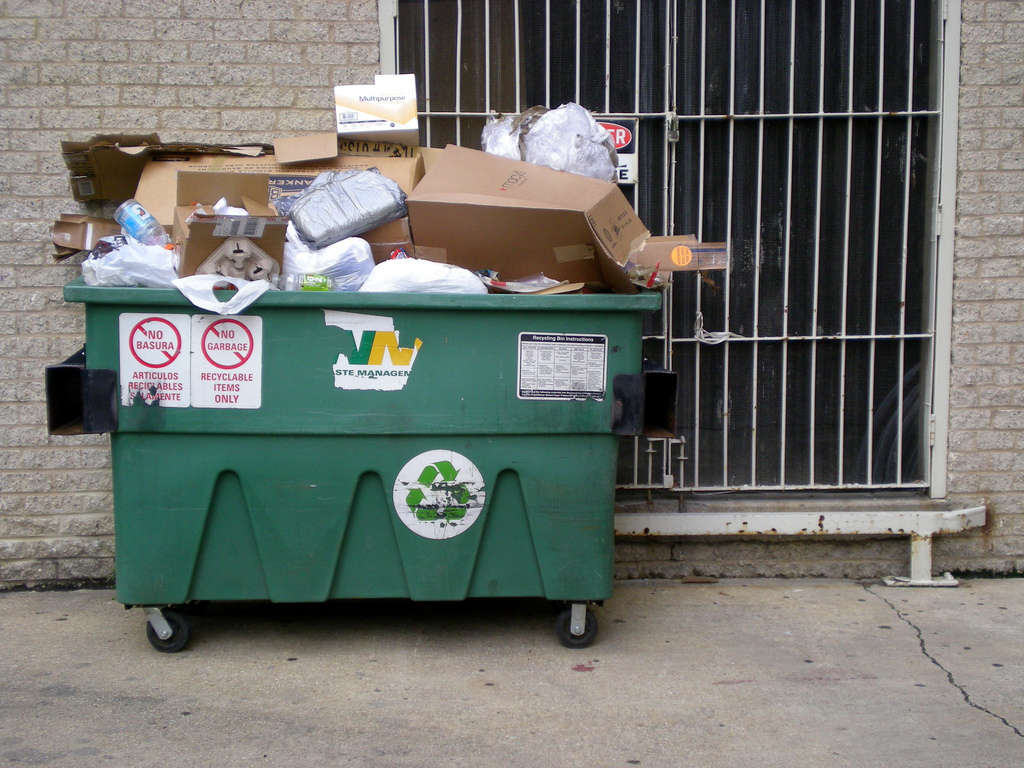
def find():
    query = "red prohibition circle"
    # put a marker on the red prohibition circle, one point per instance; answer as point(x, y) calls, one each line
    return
point(242, 360)
point(170, 358)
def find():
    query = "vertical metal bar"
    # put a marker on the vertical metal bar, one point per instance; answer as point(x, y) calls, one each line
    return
point(636, 62)
point(757, 254)
point(668, 211)
point(517, 81)
point(728, 236)
point(846, 245)
point(607, 56)
point(941, 301)
point(547, 53)
point(458, 73)
point(789, 233)
point(817, 240)
point(904, 244)
point(700, 236)
point(874, 239)
point(426, 64)
point(487, 56)
point(578, 50)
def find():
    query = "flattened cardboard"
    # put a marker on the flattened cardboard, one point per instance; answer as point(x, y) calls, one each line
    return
point(81, 233)
point(304, 149)
point(199, 238)
point(156, 188)
point(106, 167)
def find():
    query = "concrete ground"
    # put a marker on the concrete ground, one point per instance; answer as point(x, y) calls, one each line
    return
point(736, 673)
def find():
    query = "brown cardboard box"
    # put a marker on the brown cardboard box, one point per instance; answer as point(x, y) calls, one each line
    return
point(197, 239)
point(156, 189)
point(480, 211)
point(81, 233)
point(388, 237)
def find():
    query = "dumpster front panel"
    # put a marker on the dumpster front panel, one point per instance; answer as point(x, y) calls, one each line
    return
point(306, 519)
point(446, 365)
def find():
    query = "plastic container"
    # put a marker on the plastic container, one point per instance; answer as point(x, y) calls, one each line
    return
point(140, 223)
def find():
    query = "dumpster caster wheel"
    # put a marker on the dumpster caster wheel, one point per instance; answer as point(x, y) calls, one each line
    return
point(586, 625)
point(180, 632)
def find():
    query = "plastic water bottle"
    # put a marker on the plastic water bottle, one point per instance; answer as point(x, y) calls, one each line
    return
point(140, 223)
point(307, 282)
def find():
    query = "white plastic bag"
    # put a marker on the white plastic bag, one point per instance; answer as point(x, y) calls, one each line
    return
point(347, 262)
point(568, 139)
point(130, 263)
point(199, 290)
point(500, 137)
point(421, 276)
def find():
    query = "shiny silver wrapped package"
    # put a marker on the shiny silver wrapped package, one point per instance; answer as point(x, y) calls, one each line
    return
point(340, 204)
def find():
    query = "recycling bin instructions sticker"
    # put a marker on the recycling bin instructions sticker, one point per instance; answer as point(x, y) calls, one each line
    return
point(562, 366)
point(154, 357)
point(371, 357)
point(439, 494)
point(227, 361)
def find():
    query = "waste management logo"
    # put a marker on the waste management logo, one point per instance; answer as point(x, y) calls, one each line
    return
point(439, 494)
point(375, 359)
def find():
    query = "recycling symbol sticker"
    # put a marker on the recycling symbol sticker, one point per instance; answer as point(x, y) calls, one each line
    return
point(439, 494)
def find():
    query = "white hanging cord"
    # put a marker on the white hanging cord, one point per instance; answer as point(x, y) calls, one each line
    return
point(711, 337)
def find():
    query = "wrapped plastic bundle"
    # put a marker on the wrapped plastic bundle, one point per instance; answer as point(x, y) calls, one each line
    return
point(340, 204)
point(566, 139)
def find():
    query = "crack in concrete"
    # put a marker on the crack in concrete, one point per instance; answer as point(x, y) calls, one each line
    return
point(949, 675)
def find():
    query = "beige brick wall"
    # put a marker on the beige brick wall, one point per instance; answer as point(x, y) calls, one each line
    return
point(203, 70)
point(246, 70)
point(986, 459)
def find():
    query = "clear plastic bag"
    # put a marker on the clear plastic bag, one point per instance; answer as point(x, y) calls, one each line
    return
point(340, 204)
point(123, 261)
point(421, 276)
point(347, 262)
point(566, 139)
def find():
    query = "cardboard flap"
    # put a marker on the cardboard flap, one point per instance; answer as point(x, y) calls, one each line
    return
point(209, 187)
point(472, 172)
point(303, 149)
point(680, 254)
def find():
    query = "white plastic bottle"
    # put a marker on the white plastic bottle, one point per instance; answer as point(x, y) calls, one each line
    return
point(140, 223)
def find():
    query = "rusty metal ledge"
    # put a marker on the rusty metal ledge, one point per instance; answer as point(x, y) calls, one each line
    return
point(920, 524)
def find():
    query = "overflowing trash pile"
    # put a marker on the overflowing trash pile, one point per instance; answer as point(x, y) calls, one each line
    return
point(364, 209)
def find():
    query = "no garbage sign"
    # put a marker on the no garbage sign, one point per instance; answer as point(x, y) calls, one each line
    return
point(227, 367)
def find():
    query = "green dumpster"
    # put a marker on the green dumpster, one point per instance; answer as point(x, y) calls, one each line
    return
point(337, 445)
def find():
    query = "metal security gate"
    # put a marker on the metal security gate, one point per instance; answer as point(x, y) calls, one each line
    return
point(805, 133)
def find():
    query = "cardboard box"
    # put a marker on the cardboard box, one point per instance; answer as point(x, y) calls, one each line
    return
point(107, 167)
point(81, 233)
point(157, 186)
point(198, 239)
point(384, 111)
point(480, 211)
point(388, 237)
point(304, 149)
